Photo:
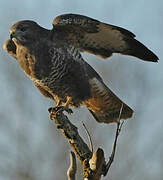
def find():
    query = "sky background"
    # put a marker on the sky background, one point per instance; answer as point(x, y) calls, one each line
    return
point(31, 147)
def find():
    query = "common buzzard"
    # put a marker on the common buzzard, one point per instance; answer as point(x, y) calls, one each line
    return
point(52, 60)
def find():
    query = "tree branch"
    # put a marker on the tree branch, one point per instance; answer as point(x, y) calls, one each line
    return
point(94, 168)
point(70, 132)
point(71, 172)
point(94, 165)
point(92, 162)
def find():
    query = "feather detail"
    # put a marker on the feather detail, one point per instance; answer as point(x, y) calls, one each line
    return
point(95, 37)
point(105, 105)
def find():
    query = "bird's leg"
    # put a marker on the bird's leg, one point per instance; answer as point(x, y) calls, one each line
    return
point(58, 103)
point(66, 105)
point(68, 100)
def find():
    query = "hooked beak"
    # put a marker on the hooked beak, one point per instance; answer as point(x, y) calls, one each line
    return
point(11, 36)
point(16, 34)
point(12, 33)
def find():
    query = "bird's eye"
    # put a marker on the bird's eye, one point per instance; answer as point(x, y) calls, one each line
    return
point(22, 29)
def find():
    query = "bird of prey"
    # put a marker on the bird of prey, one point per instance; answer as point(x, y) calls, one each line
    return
point(52, 60)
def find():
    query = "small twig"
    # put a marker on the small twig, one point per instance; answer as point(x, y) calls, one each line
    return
point(71, 172)
point(120, 112)
point(89, 138)
point(118, 130)
point(120, 127)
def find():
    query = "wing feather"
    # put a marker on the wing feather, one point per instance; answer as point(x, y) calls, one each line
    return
point(98, 38)
point(105, 105)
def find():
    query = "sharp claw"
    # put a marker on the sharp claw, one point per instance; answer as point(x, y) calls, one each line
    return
point(58, 109)
point(50, 109)
point(53, 111)
point(69, 111)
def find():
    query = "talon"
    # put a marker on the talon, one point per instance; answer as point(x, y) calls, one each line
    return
point(52, 111)
point(69, 111)
point(51, 115)
point(58, 109)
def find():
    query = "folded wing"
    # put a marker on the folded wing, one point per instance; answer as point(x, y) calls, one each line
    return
point(104, 105)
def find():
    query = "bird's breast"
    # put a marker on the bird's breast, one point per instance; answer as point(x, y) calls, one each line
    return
point(26, 60)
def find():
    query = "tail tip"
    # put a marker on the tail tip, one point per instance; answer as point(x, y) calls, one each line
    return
point(150, 56)
point(140, 51)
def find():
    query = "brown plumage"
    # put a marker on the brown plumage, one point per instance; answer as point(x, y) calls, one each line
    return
point(52, 60)
point(99, 38)
point(104, 104)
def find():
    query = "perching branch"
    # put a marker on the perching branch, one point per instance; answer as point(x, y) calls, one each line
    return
point(70, 132)
point(93, 169)
point(71, 172)
point(92, 162)
point(94, 165)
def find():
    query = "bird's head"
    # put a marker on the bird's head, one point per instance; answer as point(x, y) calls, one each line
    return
point(25, 31)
